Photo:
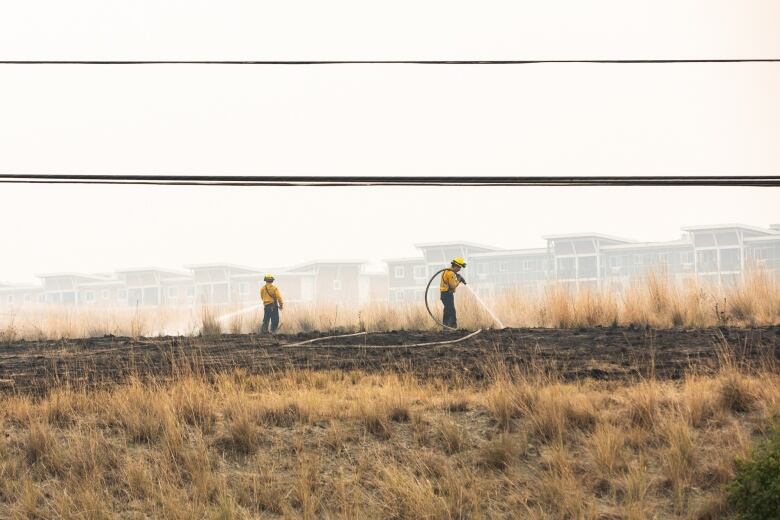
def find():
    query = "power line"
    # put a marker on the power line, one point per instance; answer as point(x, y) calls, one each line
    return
point(378, 62)
point(280, 180)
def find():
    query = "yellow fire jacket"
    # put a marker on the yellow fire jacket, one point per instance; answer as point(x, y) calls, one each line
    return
point(449, 281)
point(270, 293)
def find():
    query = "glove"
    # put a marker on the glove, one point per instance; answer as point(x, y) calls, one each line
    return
point(461, 279)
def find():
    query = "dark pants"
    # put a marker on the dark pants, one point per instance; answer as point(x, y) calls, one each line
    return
point(448, 299)
point(270, 313)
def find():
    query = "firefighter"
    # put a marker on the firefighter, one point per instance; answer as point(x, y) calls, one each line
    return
point(450, 279)
point(272, 304)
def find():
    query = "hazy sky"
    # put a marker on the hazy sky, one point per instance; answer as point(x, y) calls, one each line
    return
point(401, 119)
point(680, 119)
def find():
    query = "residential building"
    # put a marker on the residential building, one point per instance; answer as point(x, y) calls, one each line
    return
point(153, 286)
point(715, 254)
point(18, 295)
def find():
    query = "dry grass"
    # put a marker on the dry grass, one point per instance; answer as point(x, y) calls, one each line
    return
point(655, 302)
point(335, 444)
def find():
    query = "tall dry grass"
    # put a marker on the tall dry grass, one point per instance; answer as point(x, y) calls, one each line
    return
point(334, 444)
point(655, 302)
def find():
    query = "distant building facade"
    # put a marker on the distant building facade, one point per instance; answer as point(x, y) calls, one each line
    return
point(715, 254)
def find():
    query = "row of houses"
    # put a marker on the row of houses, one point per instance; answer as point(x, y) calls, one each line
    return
point(715, 254)
point(345, 282)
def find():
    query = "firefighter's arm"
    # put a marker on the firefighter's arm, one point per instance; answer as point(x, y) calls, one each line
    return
point(279, 298)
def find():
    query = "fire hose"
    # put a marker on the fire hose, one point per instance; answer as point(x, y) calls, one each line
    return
point(427, 307)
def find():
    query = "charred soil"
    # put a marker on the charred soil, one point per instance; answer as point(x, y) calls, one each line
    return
point(599, 353)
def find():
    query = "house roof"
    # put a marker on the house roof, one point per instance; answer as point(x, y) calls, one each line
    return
point(9, 287)
point(73, 275)
point(457, 243)
point(713, 227)
point(276, 272)
point(511, 252)
point(324, 262)
point(588, 235)
point(153, 269)
point(223, 265)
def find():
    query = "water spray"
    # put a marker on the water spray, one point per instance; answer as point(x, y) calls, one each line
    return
point(495, 318)
point(476, 296)
point(254, 307)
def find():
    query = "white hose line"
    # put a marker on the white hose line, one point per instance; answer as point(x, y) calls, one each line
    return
point(429, 344)
point(322, 338)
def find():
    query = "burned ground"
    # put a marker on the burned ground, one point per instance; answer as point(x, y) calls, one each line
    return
point(600, 353)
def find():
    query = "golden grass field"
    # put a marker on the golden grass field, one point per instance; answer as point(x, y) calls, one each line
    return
point(655, 302)
point(520, 442)
point(333, 444)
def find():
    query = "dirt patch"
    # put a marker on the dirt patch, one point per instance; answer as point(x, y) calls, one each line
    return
point(601, 353)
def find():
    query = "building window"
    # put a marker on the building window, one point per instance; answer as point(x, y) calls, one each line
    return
point(503, 267)
point(730, 260)
point(399, 296)
point(587, 267)
point(190, 292)
point(637, 259)
point(42, 298)
point(122, 294)
point(10, 298)
point(104, 294)
point(398, 272)
point(566, 267)
point(707, 261)
point(27, 298)
point(482, 268)
point(89, 296)
point(336, 285)
point(419, 272)
point(243, 288)
point(173, 293)
point(613, 261)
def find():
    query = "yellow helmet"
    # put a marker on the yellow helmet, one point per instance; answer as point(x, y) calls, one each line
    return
point(459, 261)
point(268, 277)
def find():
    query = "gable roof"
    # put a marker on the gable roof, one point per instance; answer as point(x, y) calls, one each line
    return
point(574, 236)
point(472, 245)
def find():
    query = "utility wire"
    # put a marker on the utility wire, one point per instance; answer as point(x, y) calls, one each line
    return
point(375, 62)
point(291, 180)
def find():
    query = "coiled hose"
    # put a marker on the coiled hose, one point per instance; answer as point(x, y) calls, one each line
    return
point(426, 298)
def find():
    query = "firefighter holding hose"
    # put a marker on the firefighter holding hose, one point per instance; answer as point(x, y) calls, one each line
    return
point(272, 303)
point(450, 279)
